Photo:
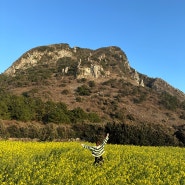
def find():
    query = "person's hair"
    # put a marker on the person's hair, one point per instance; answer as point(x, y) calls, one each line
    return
point(97, 142)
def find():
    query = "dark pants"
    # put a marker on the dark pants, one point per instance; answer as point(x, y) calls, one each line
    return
point(98, 160)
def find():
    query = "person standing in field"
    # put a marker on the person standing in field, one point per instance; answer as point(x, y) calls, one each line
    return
point(98, 150)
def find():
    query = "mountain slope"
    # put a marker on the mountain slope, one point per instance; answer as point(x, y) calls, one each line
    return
point(100, 81)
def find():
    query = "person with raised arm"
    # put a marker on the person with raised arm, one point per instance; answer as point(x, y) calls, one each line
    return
point(98, 150)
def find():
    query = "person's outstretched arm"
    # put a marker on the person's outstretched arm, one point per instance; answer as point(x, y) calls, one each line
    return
point(86, 146)
point(105, 140)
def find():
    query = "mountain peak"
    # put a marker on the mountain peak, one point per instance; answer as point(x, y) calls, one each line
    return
point(103, 63)
point(83, 63)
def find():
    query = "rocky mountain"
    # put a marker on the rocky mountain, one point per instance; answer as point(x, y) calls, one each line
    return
point(100, 81)
point(81, 63)
point(101, 64)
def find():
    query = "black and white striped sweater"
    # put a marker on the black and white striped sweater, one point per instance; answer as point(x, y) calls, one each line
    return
point(97, 151)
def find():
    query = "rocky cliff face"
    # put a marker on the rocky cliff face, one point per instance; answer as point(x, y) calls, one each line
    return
point(46, 55)
point(103, 63)
point(90, 64)
point(161, 86)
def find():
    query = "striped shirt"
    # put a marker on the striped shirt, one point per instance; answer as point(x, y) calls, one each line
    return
point(97, 151)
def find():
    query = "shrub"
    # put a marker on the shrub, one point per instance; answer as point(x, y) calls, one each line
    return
point(3, 131)
point(183, 105)
point(93, 118)
point(78, 99)
point(81, 80)
point(92, 84)
point(14, 131)
point(65, 91)
point(83, 90)
point(168, 101)
point(182, 116)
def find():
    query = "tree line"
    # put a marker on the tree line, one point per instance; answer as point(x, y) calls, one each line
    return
point(58, 122)
point(26, 109)
point(120, 133)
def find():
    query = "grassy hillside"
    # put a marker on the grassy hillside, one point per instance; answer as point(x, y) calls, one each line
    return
point(53, 92)
point(34, 163)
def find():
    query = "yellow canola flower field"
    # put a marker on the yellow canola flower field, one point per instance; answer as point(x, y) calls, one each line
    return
point(67, 163)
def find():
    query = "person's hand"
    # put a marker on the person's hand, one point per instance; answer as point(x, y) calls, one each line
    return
point(82, 145)
point(107, 134)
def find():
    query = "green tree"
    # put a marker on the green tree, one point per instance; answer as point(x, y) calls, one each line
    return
point(20, 109)
point(78, 115)
point(4, 112)
point(93, 117)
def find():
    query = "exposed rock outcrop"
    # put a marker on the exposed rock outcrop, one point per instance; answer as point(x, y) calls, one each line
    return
point(99, 63)
point(34, 57)
point(161, 86)
point(107, 62)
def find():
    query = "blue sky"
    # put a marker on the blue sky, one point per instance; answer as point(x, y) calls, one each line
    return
point(150, 32)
